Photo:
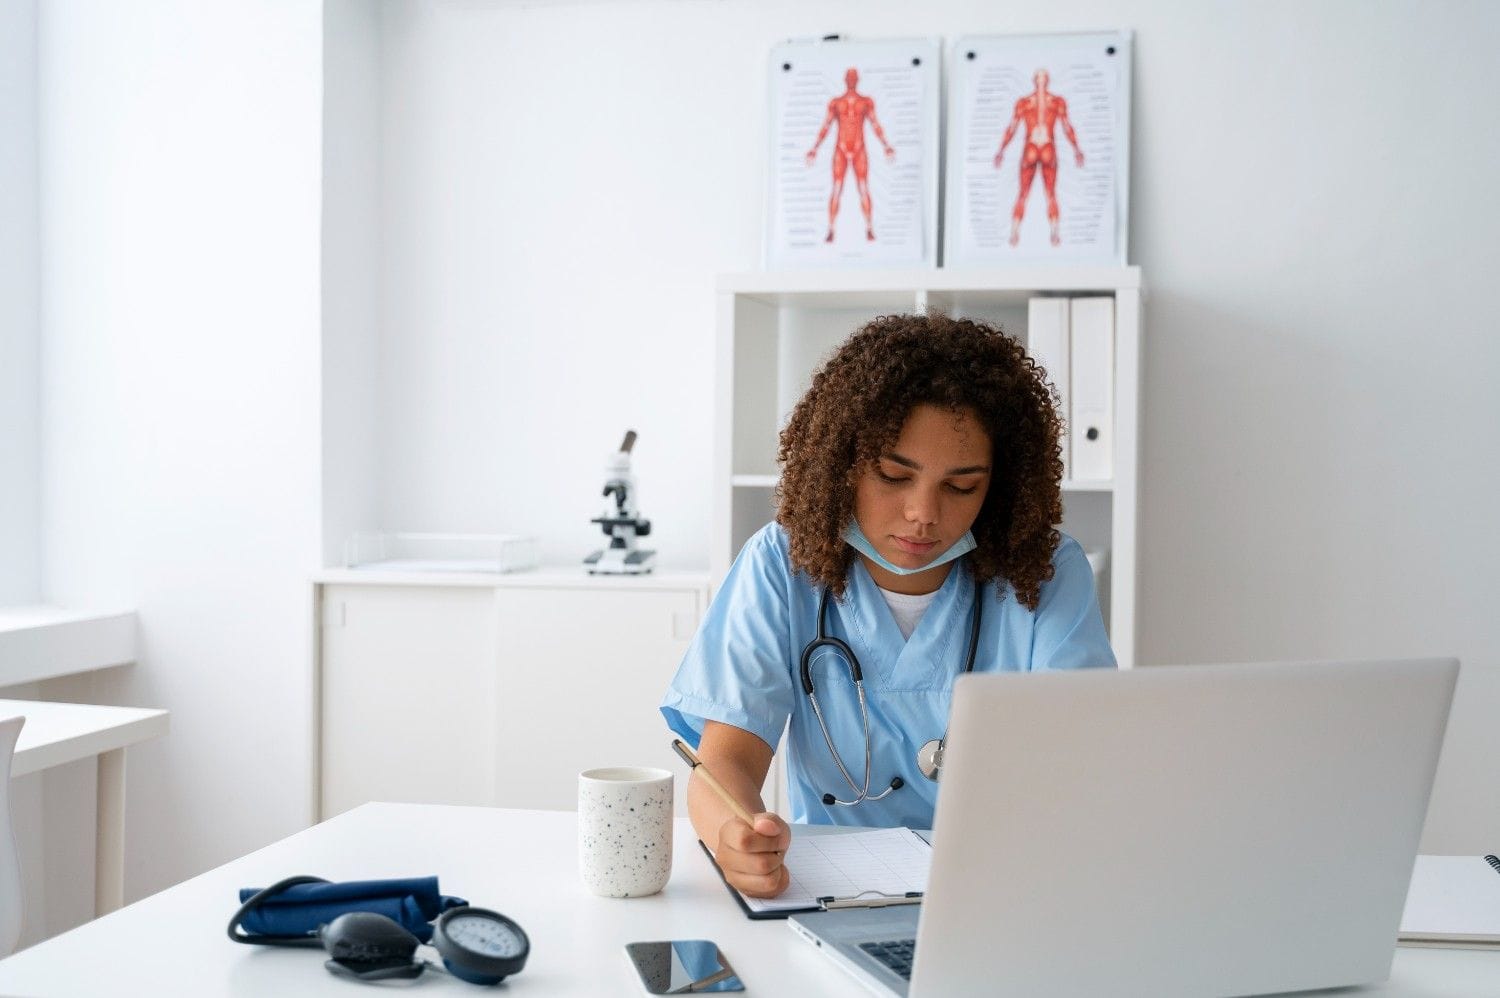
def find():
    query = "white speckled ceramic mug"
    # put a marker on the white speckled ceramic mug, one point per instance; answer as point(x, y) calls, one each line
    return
point(625, 830)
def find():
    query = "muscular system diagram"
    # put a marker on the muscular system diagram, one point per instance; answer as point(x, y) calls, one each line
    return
point(1040, 112)
point(851, 110)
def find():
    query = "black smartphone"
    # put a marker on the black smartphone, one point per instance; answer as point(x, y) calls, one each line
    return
point(682, 967)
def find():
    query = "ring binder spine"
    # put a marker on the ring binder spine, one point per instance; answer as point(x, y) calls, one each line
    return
point(1494, 862)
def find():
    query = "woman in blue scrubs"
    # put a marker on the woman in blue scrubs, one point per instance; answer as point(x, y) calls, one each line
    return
point(921, 472)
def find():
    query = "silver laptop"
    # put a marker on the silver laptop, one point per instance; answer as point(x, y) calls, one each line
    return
point(1172, 830)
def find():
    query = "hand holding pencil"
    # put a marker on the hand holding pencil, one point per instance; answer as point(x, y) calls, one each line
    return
point(750, 846)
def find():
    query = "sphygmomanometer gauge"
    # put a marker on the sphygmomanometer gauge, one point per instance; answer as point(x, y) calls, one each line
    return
point(479, 945)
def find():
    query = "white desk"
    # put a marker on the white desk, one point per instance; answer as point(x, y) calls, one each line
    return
point(58, 733)
point(521, 863)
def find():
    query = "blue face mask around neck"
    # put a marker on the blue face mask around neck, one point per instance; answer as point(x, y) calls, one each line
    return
point(856, 539)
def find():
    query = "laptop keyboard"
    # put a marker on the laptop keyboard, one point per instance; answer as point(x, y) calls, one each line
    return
point(895, 954)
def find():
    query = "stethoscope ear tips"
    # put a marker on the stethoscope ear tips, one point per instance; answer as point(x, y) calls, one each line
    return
point(897, 783)
point(829, 800)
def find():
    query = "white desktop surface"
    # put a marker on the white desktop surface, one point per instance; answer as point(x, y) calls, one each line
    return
point(521, 863)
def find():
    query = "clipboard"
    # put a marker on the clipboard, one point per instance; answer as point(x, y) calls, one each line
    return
point(917, 851)
point(868, 899)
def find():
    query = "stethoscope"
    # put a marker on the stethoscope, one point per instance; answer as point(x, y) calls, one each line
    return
point(929, 757)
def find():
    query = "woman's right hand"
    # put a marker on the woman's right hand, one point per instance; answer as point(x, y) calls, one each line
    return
point(751, 855)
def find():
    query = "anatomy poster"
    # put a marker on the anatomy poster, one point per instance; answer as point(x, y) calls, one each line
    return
point(854, 153)
point(1039, 149)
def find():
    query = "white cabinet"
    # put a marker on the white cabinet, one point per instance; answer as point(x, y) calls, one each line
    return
point(774, 329)
point(408, 695)
point(493, 690)
point(581, 674)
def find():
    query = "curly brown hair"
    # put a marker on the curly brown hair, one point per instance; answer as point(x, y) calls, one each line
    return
point(854, 412)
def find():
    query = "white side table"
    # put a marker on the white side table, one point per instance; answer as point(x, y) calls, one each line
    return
point(59, 733)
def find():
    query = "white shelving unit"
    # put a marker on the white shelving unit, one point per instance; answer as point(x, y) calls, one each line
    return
point(774, 329)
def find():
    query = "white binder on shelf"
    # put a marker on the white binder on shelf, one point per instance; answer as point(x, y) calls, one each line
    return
point(1047, 342)
point(1092, 353)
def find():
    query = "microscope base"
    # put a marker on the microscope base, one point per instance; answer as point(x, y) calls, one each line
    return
point(614, 561)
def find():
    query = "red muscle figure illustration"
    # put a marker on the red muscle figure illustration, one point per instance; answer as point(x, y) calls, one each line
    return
point(1039, 111)
point(850, 109)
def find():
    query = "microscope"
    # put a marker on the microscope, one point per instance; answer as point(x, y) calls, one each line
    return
point(621, 521)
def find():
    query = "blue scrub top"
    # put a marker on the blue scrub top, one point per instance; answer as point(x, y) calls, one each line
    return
point(742, 668)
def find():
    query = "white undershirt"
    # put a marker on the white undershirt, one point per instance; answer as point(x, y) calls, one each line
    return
point(908, 610)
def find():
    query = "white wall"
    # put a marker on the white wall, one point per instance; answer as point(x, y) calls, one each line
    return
point(1312, 205)
point(20, 577)
point(560, 184)
point(1320, 464)
point(180, 158)
point(351, 272)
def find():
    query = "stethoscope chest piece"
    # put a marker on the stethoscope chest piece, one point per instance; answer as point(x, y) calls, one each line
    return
point(930, 759)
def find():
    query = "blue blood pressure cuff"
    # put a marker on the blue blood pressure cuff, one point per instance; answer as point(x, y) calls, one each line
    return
point(296, 907)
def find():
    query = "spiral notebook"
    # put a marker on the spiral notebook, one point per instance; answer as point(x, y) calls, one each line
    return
point(858, 869)
point(1453, 901)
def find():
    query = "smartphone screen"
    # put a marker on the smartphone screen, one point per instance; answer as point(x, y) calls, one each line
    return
point(682, 966)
